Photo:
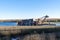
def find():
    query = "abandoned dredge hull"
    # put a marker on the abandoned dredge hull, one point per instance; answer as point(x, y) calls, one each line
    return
point(30, 32)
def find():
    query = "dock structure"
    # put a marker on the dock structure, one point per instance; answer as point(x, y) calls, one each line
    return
point(30, 32)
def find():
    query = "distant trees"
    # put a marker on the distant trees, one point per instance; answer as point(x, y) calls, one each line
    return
point(58, 20)
point(53, 20)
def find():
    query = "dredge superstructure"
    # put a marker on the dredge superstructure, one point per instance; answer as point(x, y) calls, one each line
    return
point(31, 22)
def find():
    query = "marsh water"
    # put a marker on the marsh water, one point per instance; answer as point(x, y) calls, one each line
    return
point(8, 23)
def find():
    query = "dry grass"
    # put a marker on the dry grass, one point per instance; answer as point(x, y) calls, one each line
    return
point(17, 29)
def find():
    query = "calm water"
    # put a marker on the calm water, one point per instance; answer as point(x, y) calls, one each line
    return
point(57, 23)
point(8, 24)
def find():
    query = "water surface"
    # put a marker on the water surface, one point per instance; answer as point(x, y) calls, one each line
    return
point(8, 24)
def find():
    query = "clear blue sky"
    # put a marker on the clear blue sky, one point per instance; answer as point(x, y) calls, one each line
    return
point(14, 9)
